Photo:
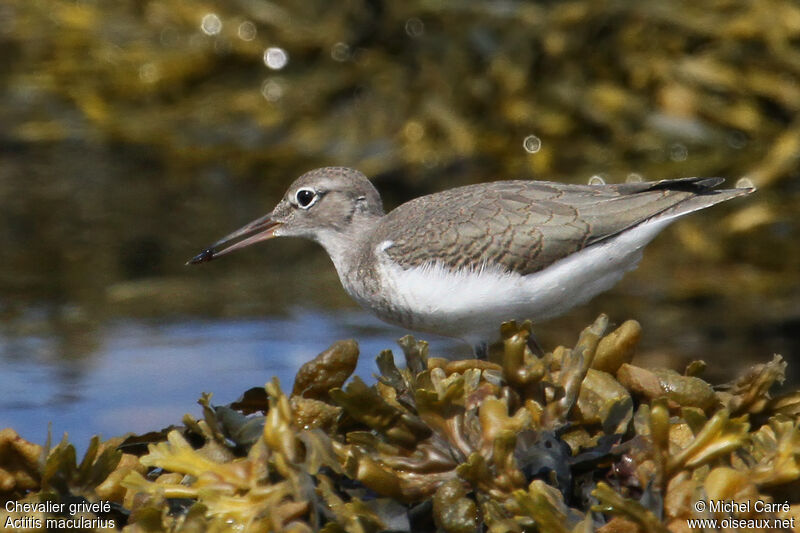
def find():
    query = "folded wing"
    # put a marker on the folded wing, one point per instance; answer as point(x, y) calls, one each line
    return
point(525, 226)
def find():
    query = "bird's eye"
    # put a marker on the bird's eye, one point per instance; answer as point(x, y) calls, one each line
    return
point(305, 197)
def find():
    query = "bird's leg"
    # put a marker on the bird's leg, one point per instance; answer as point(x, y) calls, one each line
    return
point(534, 346)
point(481, 350)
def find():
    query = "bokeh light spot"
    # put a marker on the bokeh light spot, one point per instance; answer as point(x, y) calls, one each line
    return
point(415, 27)
point(275, 58)
point(272, 90)
point(532, 144)
point(211, 24)
point(678, 152)
point(340, 52)
point(247, 31)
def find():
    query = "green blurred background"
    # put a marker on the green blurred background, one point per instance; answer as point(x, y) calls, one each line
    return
point(135, 133)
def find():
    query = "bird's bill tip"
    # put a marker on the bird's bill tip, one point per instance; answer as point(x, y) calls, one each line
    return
point(204, 256)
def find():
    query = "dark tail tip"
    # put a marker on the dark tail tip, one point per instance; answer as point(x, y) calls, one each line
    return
point(695, 185)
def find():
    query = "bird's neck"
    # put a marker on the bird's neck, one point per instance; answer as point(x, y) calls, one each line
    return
point(344, 246)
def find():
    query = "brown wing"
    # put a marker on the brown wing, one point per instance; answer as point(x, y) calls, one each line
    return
point(525, 226)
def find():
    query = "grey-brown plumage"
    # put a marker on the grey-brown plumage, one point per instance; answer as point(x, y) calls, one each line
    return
point(461, 261)
point(524, 226)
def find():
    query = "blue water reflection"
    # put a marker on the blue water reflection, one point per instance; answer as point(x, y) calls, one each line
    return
point(144, 375)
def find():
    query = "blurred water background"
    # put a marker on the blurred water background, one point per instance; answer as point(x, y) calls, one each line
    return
point(135, 133)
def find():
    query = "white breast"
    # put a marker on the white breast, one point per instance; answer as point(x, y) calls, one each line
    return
point(472, 303)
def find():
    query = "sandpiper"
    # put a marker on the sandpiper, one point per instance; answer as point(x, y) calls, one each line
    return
point(461, 261)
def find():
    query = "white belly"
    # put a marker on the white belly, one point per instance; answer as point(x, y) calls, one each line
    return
point(471, 304)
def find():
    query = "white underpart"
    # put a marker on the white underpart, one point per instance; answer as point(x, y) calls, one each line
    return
point(471, 303)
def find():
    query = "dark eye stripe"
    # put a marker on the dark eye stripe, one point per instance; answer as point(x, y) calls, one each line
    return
point(305, 197)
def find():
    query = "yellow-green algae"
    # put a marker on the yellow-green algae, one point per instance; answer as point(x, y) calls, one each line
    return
point(579, 439)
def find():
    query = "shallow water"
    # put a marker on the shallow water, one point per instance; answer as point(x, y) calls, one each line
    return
point(143, 375)
point(135, 134)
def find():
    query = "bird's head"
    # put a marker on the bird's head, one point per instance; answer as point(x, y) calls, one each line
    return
point(319, 203)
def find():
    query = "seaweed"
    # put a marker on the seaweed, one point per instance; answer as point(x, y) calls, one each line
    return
point(577, 439)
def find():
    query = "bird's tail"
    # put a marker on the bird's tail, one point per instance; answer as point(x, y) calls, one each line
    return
point(704, 194)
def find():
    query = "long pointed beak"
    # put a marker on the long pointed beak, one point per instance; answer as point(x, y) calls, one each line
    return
point(258, 230)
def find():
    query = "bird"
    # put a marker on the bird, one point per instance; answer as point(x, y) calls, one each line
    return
point(460, 262)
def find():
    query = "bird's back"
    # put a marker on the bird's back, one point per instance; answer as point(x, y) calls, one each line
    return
point(525, 226)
